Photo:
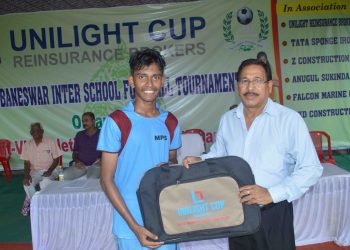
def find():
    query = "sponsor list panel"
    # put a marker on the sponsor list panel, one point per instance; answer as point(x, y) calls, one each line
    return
point(315, 61)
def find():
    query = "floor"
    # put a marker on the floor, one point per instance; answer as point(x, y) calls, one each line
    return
point(16, 246)
point(13, 227)
point(324, 246)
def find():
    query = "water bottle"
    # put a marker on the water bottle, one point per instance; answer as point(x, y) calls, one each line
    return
point(60, 174)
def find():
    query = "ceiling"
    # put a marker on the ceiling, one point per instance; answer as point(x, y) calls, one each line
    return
point(21, 6)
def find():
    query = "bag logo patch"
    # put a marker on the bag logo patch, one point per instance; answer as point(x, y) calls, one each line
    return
point(197, 197)
point(205, 204)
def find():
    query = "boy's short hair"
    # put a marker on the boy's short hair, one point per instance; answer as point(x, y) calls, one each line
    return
point(146, 57)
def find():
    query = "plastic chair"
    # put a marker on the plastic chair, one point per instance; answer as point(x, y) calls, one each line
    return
point(193, 143)
point(5, 156)
point(317, 138)
point(195, 131)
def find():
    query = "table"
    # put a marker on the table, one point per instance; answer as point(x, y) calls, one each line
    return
point(77, 215)
point(323, 213)
point(72, 215)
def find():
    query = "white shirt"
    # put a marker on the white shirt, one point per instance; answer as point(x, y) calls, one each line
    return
point(277, 146)
point(40, 156)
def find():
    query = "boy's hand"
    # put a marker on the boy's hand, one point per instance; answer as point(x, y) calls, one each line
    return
point(143, 234)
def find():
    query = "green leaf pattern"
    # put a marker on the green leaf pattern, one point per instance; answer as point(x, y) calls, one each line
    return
point(264, 26)
point(227, 28)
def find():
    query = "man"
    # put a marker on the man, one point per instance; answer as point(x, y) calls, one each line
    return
point(86, 159)
point(147, 145)
point(41, 156)
point(275, 141)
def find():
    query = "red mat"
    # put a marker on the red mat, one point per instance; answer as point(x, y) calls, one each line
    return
point(16, 246)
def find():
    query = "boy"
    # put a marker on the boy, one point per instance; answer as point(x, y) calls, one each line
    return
point(148, 144)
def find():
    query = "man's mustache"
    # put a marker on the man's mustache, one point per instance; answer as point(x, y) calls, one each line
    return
point(250, 93)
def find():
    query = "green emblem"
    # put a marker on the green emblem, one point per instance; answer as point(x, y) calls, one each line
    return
point(245, 45)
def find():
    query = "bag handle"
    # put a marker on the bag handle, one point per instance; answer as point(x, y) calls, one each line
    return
point(179, 172)
point(204, 168)
point(208, 167)
point(170, 170)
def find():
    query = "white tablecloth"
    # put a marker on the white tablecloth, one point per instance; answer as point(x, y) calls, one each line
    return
point(72, 215)
point(323, 213)
point(77, 215)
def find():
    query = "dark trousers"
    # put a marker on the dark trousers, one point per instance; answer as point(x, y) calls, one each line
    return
point(276, 230)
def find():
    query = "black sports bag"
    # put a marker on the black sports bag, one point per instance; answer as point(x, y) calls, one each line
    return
point(202, 202)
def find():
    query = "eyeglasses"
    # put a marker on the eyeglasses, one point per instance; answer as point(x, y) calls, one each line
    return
point(256, 82)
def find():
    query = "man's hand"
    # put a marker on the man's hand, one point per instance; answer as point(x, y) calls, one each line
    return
point(80, 164)
point(254, 194)
point(47, 173)
point(27, 180)
point(97, 162)
point(142, 234)
point(190, 160)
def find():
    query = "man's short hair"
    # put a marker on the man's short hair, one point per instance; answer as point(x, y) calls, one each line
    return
point(36, 124)
point(146, 57)
point(252, 61)
point(92, 116)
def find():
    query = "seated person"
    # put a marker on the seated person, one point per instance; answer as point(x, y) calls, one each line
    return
point(41, 156)
point(86, 159)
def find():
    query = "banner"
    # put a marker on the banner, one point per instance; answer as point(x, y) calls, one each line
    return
point(56, 65)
